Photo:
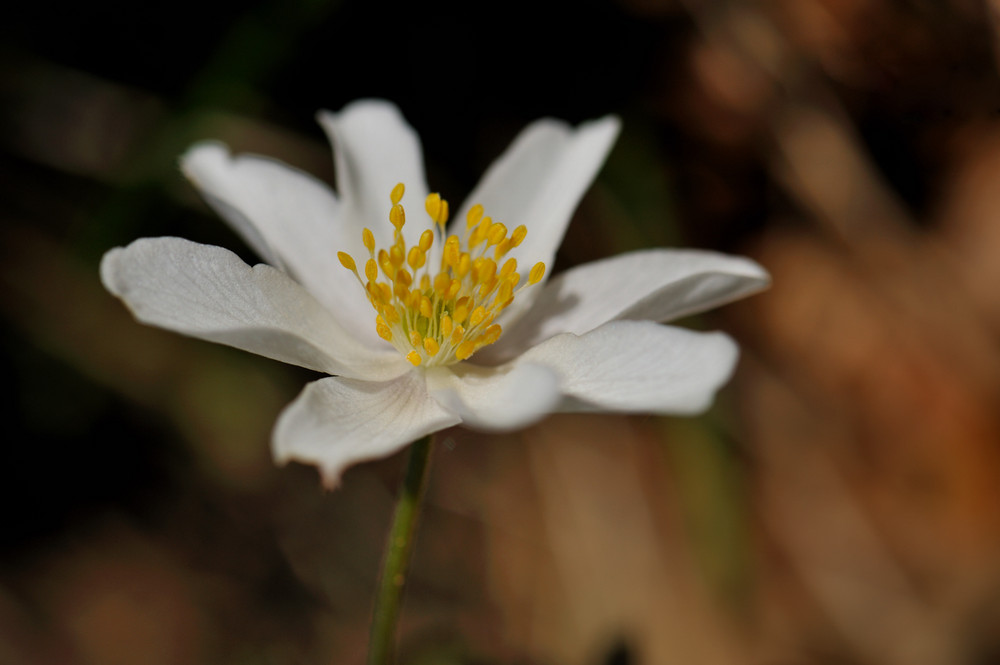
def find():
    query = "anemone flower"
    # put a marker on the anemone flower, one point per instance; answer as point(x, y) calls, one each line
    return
point(421, 324)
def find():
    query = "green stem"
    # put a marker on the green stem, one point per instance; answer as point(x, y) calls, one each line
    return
point(397, 556)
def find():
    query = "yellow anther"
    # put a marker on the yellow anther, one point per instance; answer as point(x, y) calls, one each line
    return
point(465, 349)
point(396, 255)
point(536, 274)
point(397, 193)
point(382, 328)
point(416, 258)
point(426, 240)
point(473, 216)
point(496, 234)
point(479, 234)
point(421, 310)
point(443, 215)
point(441, 283)
point(413, 300)
point(397, 216)
point(452, 255)
point(347, 261)
point(502, 248)
point(460, 312)
point(517, 237)
point(510, 266)
point(487, 271)
point(492, 334)
point(504, 292)
point(432, 204)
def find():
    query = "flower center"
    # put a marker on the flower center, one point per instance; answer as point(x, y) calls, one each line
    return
point(443, 317)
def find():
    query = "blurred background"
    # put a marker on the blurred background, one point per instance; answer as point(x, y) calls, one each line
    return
point(839, 505)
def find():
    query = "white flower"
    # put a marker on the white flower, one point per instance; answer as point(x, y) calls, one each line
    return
point(586, 340)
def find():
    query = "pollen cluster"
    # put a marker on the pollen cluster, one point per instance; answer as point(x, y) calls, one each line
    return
point(439, 315)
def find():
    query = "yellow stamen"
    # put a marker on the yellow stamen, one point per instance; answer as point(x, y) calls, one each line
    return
point(437, 208)
point(504, 292)
point(459, 313)
point(397, 216)
point(502, 248)
point(536, 274)
point(382, 328)
point(473, 216)
point(479, 233)
point(426, 240)
point(347, 261)
point(397, 193)
point(416, 258)
point(509, 267)
point(492, 334)
point(465, 349)
point(496, 235)
point(517, 237)
point(423, 309)
point(371, 270)
point(441, 283)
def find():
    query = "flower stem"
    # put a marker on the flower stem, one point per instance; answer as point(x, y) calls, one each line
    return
point(397, 555)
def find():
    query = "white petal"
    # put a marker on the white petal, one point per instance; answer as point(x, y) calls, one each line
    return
point(291, 219)
point(374, 149)
point(495, 398)
point(337, 422)
point(656, 285)
point(638, 366)
point(209, 293)
point(539, 181)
